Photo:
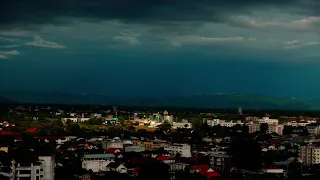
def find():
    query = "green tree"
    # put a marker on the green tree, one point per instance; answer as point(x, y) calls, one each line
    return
point(165, 125)
point(154, 170)
point(197, 123)
point(94, 121)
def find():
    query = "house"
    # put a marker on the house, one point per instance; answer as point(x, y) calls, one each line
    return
point(178, 166)
point(134, 149)
point(117, 167)
point(220, 162)
point(204, 170)
point(97, 162)
point(183, 149)
point(5, 149)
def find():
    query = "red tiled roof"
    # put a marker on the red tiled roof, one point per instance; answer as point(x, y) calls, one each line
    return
point(212, 174)
point(201, 168)
point(32, 130)
point(204, 169)
point(136, 170)
point(18, 137)
point(9, 133)
point(163, 158)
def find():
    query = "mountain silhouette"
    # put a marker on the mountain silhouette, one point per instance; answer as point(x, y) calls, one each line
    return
point(220, 100)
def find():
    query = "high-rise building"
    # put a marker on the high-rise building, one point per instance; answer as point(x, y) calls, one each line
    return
point(240, 110)
point(309, 154)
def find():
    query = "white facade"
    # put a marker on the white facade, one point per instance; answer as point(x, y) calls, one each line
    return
point(97, 162)
point(115, 144)
point(229, 124)
point(121, 169)
point(213, 122)
point(271, 128)
point(176, 125)
point(31, 171)
point(75, 120)
point(48, 166)
point(96, 165)
point(309, 154)
point(269, 121)
point(183, 149)
point(313, 130)
point(41, 170)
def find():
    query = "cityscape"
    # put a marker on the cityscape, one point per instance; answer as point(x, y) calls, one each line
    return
point(159, 90)
point(41, 141)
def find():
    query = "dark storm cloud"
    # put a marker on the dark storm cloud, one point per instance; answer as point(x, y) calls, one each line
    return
point(15, 13)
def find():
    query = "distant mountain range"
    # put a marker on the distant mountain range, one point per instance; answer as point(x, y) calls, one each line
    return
point(5, 100)
point(199, 101)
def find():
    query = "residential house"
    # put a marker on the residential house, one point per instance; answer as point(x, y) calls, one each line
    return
point(183, 149)
point(178, 166)
point(117, 167)
point(220, 161)
point(97, 162)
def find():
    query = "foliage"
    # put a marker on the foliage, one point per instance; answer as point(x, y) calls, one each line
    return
point(187, 175)
point(94, 121)
point(154, 170)
point(165, 126)
point(246, 153)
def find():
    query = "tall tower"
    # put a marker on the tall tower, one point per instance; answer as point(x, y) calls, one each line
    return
point(240, 110)
point(115, 111)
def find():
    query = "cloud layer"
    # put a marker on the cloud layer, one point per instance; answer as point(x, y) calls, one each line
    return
point(40, 42)
point(6, 54)
point(24, 13)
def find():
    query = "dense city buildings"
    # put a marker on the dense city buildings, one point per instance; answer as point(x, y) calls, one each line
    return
point(88, 144)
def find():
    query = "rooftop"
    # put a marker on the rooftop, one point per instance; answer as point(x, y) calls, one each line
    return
point(98, 156)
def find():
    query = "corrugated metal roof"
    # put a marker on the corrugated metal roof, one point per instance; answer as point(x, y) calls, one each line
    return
point(98, 156)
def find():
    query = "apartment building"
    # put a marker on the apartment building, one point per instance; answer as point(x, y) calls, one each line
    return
point(271, 128)
point(309, 154)
point(219, 161)
point(268, 121)
point(213, 122)
point(183, 149)
point(75, 120)
point(36, 168)
point(313, 130)
point(224, 123)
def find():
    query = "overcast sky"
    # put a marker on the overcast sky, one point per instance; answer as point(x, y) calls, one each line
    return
point(161, 47)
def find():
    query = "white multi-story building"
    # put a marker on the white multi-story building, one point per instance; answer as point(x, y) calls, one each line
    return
point(271, 128)
point(75, 120)
point(268, 121)
point(183, 149)
point(224, 123)
point(295, 123)
point(313, 130)
point(48, 166)
point(213, 122)
point(41, 169)
point(309, 154)
point(97, 162)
